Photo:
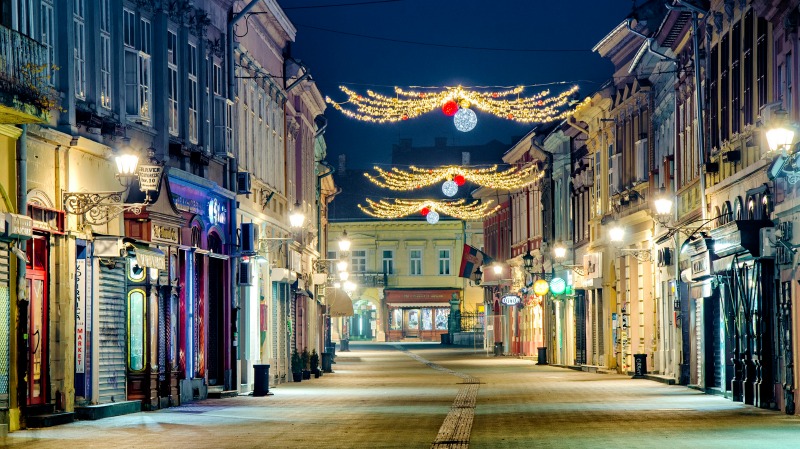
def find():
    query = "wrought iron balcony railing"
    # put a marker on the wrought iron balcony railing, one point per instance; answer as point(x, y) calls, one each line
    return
point(24, 74)
point(369, 279)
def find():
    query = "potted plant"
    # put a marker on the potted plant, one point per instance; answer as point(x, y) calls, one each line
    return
point(306, 360)
point(297, 366)
point(315, 364)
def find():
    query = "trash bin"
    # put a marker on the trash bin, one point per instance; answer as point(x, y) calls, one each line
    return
point(260, 380)
point(639, 366)
point(541, 355)
point(498, 349)
point(326, 362)
point(332, 351)
point(345, 345)
point(445, 339)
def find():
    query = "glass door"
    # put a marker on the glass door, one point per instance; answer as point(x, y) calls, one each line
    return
point(412, 319)
point(36, 276)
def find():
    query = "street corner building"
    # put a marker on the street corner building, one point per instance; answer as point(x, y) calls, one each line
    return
point(139, 139)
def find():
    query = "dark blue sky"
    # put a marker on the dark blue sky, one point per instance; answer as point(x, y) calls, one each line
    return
point(335, 59)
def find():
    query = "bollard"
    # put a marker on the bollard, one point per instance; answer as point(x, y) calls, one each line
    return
point(498, 348)
point(541, 355)
point(445, 338)
point(326, 362)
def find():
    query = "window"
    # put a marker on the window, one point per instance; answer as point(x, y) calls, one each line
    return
point(762, 60)
point(415, 262)
point(444, 261)
point(388, 261)
point(79, 48)
point(736, 78)
point(598, 203)
point(217, 75)
point(193, 93)
point(358, 261)
point(17, 15)
point(48, 40)
point(136, 331)
point(172, 80)
point(137, 39)
point(223, 111)
point(788, 98)
point(105, 54)
point(332, 255)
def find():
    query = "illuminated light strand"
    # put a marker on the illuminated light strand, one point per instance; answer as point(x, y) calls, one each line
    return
point(416, 178)
point(402, 208)
point(378, 108)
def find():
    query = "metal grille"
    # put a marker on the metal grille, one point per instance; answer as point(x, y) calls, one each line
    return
point(198, 313)
point(112, 332)
point(580, 329)
point(5, 329)
point(274, 326)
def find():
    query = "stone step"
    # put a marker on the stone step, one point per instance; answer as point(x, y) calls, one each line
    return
point(219, 394)
point(49, 420)
point(100, 411)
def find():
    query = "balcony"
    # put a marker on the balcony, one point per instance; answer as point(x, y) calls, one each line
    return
point(25, 96)
point(369, 279)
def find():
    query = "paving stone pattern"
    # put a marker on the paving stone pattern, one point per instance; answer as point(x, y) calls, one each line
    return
point(379, 397)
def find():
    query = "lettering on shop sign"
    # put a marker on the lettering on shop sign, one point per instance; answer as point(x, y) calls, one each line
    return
point(165, 233)
point(149, 177)
point(80, 315)
point(700, 265)
point(510, 300)
point(187, 205)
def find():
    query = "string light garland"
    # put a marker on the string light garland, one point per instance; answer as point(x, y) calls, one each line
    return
point(399, 208)
point(508, 104)
point(416, 178)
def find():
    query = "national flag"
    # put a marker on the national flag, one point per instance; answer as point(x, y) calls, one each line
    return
point(471, 260)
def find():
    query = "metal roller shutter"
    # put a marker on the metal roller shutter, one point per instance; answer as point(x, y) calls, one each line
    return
point(5, 323)
point(113, 346)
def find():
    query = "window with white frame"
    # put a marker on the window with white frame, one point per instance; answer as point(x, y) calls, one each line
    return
point(18, 15)
point(193, 93)
point(172, 81)
point(387, 261)
point(48, 40)
point(138, 42)
point(223, 112)
point(358, 261)
point(444, 261)
point(415, 262)
point(79, 47)
point(105, 54)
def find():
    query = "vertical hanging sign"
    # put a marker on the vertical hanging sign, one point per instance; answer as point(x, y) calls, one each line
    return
point(80, 315)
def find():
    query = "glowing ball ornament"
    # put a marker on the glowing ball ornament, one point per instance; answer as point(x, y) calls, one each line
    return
point(450, 188)
point(432, 217)
point(424, 211)
point(541, 287)
point(450, 108)
point(558, 285)
point(465, 120)
point(459, 180)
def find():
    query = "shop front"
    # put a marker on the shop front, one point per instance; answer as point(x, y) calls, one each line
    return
point(206, 324)
point(418, 314)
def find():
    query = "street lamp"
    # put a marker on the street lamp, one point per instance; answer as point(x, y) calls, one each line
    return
point(344, 242)
point(127, 166)
point(663, 205)
point(527, 262)
point(560, 251)
point(296, 218)
point(343, 276)
point(616, 233)
point(780, 136)
point(498, 269)
point(341, 266)
point(478, 276)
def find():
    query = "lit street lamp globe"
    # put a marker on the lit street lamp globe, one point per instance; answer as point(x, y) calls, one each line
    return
point(432, 217)
point(341, 266)
point(560, 251)
point(616, 234)
point(465, 120)
point(558, 285)
point(779, 138)
point(344, 242)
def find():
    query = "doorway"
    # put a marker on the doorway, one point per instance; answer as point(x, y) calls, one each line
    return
point(412, 323)
point(36, 278)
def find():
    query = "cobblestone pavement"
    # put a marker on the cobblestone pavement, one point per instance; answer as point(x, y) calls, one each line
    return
point(424, 395)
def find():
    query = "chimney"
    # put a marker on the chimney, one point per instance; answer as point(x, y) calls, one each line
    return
point(440, 142)
point(342, 163)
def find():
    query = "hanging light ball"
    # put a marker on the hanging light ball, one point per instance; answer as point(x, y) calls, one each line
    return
point(541, 287)
point(424, 211)
point(404, 117)
point(459, 180)
point(432, 217)
point(465, 120)
point(464, 103)
point(450, 108)
point(510, 116)
point(450, 188)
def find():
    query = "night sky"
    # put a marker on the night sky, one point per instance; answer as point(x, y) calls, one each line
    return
point(566, 29)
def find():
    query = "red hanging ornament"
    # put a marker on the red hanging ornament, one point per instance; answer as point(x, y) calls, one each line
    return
point(495, 95)
point(422, 94)
point(450, 108)
point(510, 116)
point(541, 102)
point(360, 97)
point(424, 211)
point(459, 180)
point(404, 117)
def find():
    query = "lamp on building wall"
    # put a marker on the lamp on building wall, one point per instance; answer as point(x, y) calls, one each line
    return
point(527, 262)
point(663, 207)
point(477, 277)
point(559, 251)
point(617, 236)
point(780, 135)
point(341, 266)
point(99, 208)
point(296, 218)
point(344, 242)
point(498, 269)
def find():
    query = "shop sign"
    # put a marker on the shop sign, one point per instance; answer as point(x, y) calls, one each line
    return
point(186, 204)
point(149, 177)
point(592, 263)
point(510, 300)
point(701, 266)
point(19, 226)
point(216, 211)
point(167, 234)
point(80, 315)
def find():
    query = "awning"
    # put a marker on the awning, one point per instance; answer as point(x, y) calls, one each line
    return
point(418, 305)
point(149, 257)
point(339, 303)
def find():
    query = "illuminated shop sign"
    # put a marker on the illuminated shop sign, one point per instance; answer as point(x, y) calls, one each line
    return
point(510, 300)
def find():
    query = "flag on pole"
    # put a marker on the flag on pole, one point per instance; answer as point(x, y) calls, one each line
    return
point(471, 260)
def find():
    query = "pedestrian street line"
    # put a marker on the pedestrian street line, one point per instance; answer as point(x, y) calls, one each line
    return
point(457, 426)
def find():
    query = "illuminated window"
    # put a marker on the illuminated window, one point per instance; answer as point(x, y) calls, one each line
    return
point(136, 329)
point(444, 261)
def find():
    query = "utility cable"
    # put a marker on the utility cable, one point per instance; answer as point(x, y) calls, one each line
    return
point(336, 5)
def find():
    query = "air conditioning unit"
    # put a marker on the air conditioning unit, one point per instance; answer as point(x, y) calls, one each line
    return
point(248, 239)
point(245, 275)
point(242, 183)
point(767, 242)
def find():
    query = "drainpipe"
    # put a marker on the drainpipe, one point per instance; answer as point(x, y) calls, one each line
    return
point(649, 41)
point(22, 291)
point(233, 167)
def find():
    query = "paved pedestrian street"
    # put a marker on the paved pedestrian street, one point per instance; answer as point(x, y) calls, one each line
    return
point(385, 395)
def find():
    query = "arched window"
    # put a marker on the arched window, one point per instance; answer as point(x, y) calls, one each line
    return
point(738, 210)
point(196, 236)
point(727, 214)
point(214, 243)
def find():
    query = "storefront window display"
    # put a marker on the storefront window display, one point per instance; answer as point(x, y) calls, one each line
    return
point(396, 323)
point(441, 318)
point(427, 319)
